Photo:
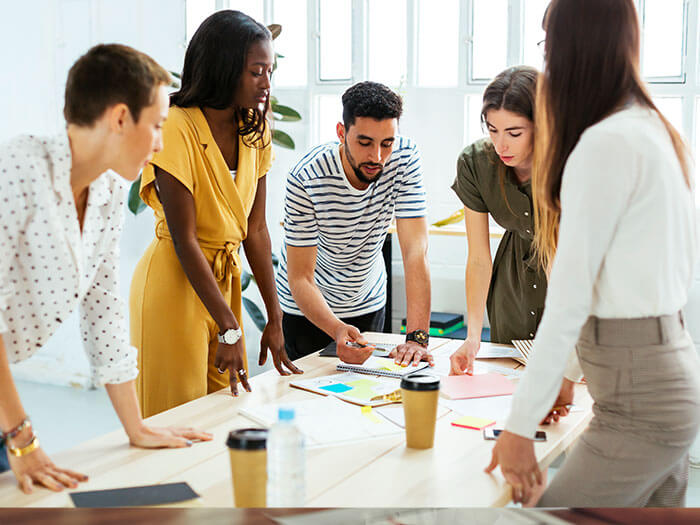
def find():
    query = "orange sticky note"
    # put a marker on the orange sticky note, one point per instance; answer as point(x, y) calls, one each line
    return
point(476, 423)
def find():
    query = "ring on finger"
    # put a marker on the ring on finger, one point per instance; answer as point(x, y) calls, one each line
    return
point(220, 371)
point(241, 372)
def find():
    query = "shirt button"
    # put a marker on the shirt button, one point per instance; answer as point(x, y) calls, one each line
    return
point(528, 231)
point(527, 214)
point(532, 313)
point(532, 335)
point(534, 286)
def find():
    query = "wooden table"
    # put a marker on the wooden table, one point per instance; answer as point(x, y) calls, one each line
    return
point(376, 473)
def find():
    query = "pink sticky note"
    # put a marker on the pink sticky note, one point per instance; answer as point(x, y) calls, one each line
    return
point(482, 385)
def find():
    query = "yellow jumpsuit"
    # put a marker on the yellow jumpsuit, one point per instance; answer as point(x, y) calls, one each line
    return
point(174, 333)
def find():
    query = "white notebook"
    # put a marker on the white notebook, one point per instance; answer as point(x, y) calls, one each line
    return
point(382, 366)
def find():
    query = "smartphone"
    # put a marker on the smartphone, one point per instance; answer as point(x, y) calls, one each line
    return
point(493, 433)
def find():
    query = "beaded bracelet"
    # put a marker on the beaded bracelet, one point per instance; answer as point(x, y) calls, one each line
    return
point(11, 434)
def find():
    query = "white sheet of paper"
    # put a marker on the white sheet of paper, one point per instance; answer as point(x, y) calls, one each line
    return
point(497, 407)
point(493, 351)
point(326, 421)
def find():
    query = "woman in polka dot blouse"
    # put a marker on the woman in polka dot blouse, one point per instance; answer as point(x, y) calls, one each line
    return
point(61, 208)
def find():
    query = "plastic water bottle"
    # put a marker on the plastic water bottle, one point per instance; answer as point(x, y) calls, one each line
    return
point(286, 462)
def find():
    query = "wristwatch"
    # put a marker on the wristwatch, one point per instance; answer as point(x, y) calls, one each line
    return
point(230, 336)
point(418, 336)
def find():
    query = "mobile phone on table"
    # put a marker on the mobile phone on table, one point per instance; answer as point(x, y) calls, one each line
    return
point(493, 433)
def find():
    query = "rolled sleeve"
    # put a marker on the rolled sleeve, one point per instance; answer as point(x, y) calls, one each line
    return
point(103, 322)
point(465, 184)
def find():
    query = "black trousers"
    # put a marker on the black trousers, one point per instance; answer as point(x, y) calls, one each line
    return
point(302, 337)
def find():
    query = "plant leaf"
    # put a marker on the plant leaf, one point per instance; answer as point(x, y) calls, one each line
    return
point(255, 314)
point(285, 113)
point(273, 100)
point(275, 29)
point(134, 203)
point(245, 280)
point(275, 261)
point(282, 139)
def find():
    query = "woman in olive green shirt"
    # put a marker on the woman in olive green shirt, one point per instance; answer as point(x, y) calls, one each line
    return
point(493, 177)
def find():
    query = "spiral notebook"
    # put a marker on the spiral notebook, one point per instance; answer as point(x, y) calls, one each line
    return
point(382, 366)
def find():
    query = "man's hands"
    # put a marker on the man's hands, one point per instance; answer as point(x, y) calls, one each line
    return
point(562, 404)
point(404, 353)
point(231, 358)
point(273, 339)
point(463, 359)
point(345, 334)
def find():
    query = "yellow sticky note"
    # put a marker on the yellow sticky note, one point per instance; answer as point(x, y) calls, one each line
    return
point(476, 423)
point(369, 414)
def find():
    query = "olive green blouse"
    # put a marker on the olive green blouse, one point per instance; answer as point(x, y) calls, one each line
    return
point(518, 286)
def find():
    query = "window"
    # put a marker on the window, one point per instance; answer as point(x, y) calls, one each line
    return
point(489, 38)
point(387, 41)
point(533, 34)
point(438, 41)
point(663, 48)
point(292, 42)
point(335, 42)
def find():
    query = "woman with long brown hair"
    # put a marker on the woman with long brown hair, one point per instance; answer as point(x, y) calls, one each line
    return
point(494, 178)
point(614, 198)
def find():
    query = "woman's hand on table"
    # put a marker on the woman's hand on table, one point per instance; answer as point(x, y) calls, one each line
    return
point(462, 361)
point(516, 455)
point(167, 437)
point(36, 468)
point(354, 354)
point(273, 339)
point(562, 404)
point(404, 353)
point(232, 358)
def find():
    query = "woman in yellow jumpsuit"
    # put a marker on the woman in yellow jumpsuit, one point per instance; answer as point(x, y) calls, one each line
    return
point(207, 189)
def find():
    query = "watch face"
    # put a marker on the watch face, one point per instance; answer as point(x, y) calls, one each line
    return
point(421, 336)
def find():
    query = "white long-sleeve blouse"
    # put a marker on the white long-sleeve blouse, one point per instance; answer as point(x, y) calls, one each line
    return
point(47, 267)
point(627, 247)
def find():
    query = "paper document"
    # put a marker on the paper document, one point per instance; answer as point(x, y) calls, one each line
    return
point(483, 385)
point(326, 421)
point(394, 413)
point(492, 351)
point(496, 408)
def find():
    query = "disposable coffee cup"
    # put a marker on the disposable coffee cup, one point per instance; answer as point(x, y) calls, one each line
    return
point(419, 394)
point(248, 454)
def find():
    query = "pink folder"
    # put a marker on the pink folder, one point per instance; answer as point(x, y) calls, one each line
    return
point(481, 385)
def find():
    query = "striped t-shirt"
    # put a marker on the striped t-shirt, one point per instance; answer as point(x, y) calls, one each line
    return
point(346, 225)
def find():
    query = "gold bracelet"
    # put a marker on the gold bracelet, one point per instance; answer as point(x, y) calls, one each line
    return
point(28, 449)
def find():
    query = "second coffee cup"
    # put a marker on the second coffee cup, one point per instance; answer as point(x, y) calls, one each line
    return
point(248, 454)
point(420, 399)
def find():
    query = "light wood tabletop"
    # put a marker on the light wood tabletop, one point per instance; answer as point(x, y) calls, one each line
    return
point(380, 472)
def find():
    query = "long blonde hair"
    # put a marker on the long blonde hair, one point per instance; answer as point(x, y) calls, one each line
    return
point(591, 71)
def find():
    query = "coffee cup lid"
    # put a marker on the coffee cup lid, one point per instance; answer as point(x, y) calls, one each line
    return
point(247, 439)
point(420, 382)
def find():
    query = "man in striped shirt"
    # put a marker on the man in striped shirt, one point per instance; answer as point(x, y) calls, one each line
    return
point(339, 204)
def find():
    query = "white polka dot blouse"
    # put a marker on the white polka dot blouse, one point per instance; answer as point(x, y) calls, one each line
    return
point(47, 267)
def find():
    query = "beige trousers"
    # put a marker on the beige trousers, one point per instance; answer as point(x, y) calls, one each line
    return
point(644, 376)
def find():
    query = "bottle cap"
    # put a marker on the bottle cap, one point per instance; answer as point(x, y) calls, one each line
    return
point(247, 439)
point(420, 382)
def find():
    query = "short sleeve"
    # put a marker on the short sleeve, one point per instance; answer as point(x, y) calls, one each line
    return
point(265, 154)
point(466, 185)
point(410, 202)
point(300, 224)
point(179, 143)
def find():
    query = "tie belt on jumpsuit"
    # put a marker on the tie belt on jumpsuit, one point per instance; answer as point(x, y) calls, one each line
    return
point(226, 264)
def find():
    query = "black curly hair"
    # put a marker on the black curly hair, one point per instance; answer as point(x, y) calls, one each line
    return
point(370, 99)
